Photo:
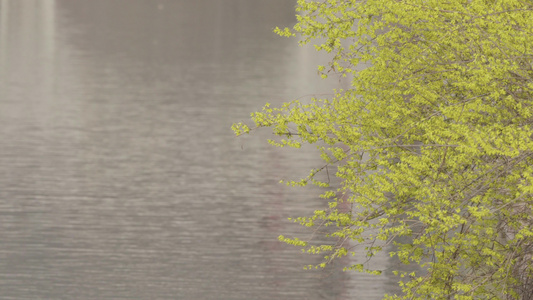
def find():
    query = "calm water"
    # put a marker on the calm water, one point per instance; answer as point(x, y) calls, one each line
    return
point(119, 175)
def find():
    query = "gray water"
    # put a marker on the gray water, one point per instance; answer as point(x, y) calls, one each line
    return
point(119, 175)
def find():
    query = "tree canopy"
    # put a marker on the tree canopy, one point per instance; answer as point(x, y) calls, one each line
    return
point(433, 140)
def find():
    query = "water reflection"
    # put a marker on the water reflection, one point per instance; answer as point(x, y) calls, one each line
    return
point(119, 177)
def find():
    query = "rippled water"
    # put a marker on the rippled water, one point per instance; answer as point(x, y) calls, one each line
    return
point(119, 175)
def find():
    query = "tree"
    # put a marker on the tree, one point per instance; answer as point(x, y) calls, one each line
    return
point(432, 141)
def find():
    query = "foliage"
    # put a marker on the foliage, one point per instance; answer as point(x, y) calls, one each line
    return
point(433, 141)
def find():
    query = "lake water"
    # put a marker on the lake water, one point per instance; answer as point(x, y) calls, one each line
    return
point(119, 175)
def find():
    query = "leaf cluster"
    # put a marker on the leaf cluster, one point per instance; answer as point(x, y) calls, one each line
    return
point(433, 141)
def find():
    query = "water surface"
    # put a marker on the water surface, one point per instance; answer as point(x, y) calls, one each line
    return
point(119, 175)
